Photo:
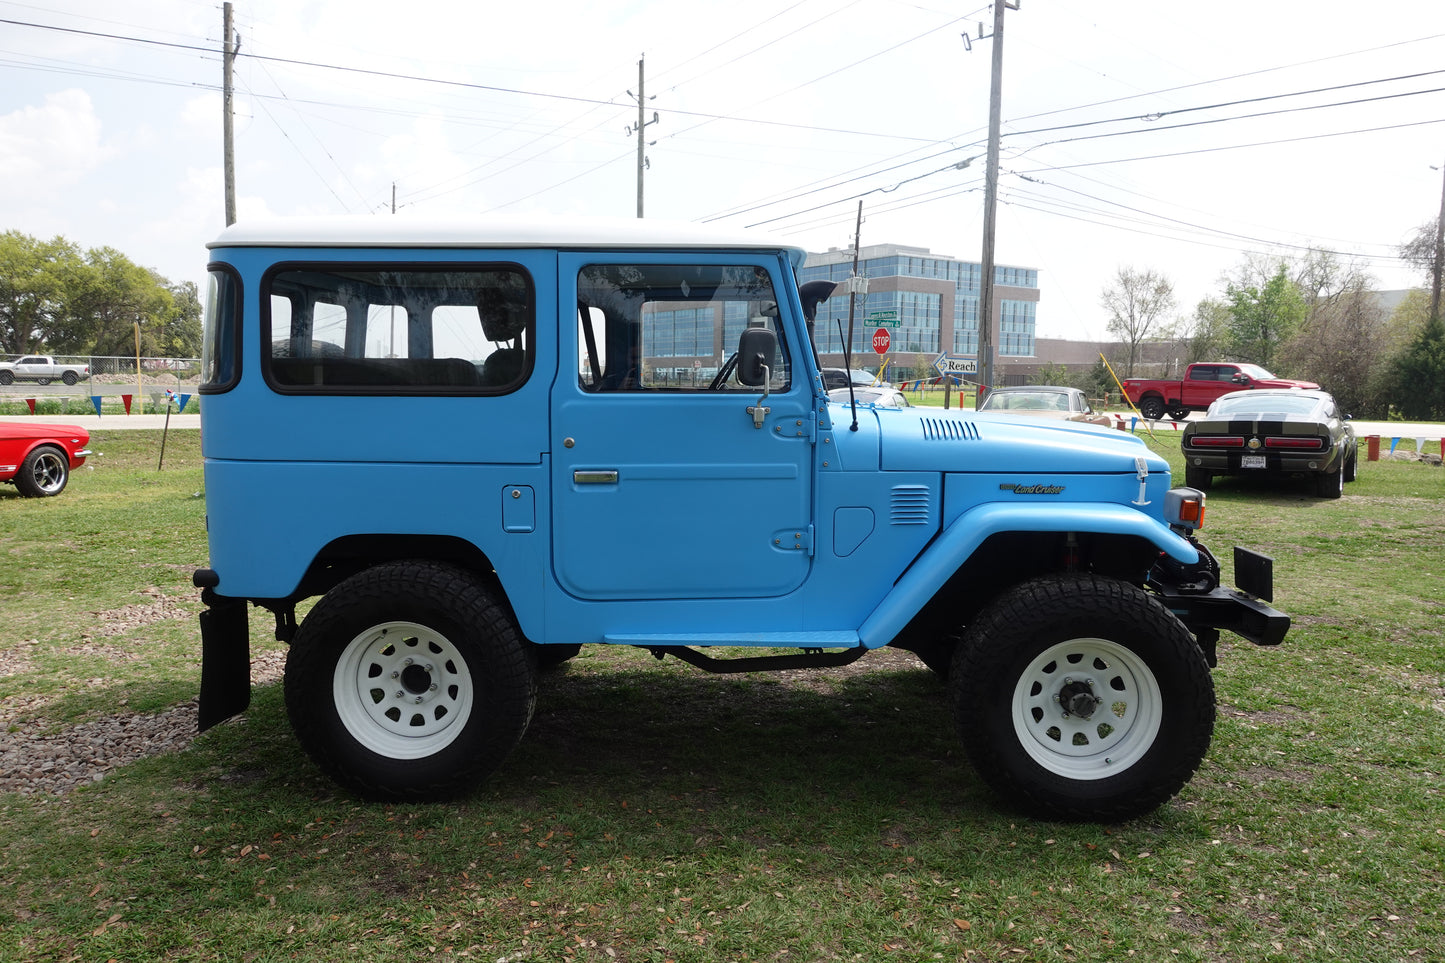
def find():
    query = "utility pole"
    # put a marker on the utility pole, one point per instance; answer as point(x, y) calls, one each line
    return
point(986, 347)
point(642, 161)
point(228, 136)
point(1439, 256)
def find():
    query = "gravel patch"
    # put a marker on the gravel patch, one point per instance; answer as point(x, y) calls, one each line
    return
point(37, 759)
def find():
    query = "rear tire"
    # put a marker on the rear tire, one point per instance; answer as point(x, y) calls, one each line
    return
point(1080, 697)
point(409, 681)
point(1330, 484)
point(70, 377)
point(1152, 408)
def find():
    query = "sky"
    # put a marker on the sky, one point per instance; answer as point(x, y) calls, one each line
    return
point(1180, 138)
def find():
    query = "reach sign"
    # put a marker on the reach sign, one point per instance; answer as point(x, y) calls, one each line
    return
point(956, 365)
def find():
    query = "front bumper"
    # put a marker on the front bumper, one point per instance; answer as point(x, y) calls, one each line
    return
point(1206, 607)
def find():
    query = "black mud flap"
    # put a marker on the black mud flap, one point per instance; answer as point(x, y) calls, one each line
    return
point(225, 659)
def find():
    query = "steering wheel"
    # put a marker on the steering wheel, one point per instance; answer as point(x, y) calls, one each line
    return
point(719, 381)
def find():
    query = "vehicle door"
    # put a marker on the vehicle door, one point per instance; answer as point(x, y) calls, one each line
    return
point(670, 479)
point(1200, 386)
point(33, 367)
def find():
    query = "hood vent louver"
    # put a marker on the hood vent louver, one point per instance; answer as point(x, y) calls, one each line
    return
point(949, 429)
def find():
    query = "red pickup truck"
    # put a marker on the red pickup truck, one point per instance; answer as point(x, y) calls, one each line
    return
point(1202, 384)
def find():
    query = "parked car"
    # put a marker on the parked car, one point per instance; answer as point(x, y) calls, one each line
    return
point(1044, 401)
point(38, 459)
point(878, 397)
point(1273, 432)
point(43, 369)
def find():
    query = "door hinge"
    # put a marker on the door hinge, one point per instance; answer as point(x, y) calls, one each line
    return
point(800, 427)
point(796, 540)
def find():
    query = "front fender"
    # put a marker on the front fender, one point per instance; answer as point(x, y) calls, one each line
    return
point(957, 543)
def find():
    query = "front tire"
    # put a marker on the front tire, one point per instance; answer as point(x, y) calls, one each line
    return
point(409, 682)
point(1082, 698)
point(43, 473)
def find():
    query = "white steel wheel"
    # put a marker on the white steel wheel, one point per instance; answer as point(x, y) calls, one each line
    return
point(1087, 709)
point(1081, 697)
point(402, 690)
point(409, 681)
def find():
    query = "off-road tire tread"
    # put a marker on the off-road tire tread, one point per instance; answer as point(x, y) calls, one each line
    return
point(1036, 614)
point(472, 616)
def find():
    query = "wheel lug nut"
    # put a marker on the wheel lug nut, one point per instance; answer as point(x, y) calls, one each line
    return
point(418, 700)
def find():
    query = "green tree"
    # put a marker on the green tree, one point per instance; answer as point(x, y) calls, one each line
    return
point(1208, 332)
point(1264, 313)
point(1137, 303)
point(1053, 374)
point(54, 298)
point(1418, 375)
point(33, 277)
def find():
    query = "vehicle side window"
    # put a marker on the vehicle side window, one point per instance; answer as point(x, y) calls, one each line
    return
point(1204, 372)
point(220, 347)
point(408, 329)
point(671, 327)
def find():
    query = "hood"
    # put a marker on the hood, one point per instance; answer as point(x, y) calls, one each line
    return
point(29, 429)
point(931, 440)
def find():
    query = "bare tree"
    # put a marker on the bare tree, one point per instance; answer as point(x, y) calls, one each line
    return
point(1423, 251)
point(1136, 303)
point(1341, 342)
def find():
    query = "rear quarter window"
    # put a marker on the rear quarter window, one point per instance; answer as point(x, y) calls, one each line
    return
point(398, 329)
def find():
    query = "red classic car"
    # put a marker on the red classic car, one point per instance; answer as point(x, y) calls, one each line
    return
point(39, 458)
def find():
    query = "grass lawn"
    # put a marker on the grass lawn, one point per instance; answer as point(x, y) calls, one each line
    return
point(657, 813)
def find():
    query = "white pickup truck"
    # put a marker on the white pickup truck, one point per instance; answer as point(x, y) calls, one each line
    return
point(41, 368)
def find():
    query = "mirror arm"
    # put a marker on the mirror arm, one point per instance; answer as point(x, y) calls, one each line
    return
point(760, 411)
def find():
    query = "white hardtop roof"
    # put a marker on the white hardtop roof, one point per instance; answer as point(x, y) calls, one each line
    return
point(386, 230)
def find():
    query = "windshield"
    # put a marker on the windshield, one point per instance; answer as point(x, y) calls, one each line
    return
point(1026, 401)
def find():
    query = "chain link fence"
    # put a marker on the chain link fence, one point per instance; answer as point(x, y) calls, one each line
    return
point(114, 386)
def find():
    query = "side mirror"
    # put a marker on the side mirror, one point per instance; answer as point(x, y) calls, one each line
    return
point(1240, 378)
point(756, 347)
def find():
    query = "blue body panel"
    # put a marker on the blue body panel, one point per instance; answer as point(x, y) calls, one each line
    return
point(648, 519)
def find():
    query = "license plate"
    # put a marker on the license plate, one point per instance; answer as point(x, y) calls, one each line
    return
point(1251, 461)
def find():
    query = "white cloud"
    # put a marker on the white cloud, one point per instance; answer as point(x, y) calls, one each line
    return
point(43, 148)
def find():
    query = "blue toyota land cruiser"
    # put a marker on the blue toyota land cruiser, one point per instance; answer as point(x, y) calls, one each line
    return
point(485, 445)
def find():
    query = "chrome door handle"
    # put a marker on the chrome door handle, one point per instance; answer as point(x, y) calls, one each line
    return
point(594, 477)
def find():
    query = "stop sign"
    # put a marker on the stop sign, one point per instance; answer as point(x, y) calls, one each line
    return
point(881, 340)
